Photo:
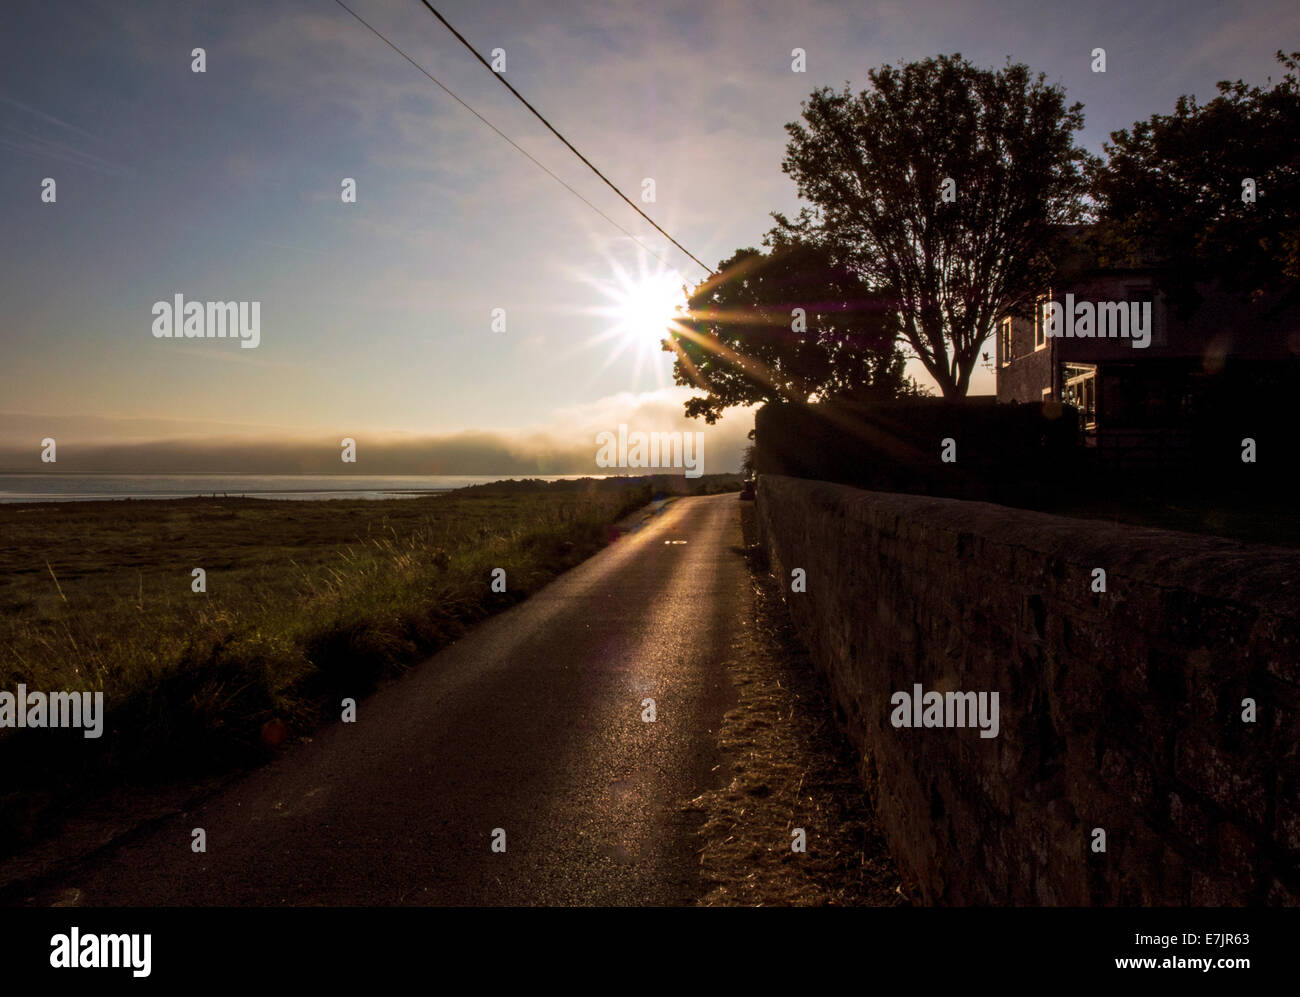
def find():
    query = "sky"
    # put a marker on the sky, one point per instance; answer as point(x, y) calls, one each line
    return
point(376, 317)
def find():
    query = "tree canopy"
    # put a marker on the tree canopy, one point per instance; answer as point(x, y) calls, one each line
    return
point(1174, 189)
point(786, 325)
point(940, 186)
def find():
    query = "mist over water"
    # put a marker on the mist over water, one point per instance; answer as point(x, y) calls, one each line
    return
point(51, 487)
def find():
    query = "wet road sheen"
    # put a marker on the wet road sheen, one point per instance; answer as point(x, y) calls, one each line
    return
point(532, 724)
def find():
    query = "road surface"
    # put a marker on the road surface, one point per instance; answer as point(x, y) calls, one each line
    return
point(532, 724)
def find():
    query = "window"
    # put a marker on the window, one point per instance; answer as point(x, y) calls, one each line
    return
point(1040, 322)
point(1081, 391)
point(1004, 341)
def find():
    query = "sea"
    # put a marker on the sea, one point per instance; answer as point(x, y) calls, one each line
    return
point(55, 487)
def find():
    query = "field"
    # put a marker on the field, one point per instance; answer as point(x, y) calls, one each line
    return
point(306, 603)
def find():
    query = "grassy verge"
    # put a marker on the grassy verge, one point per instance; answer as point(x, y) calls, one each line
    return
point(306, 603)
point(787, 765)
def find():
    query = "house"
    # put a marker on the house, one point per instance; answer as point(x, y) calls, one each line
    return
point(1149, 380)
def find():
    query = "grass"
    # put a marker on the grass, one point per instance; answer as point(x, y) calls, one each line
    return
point(306, 603)
point(786, 764)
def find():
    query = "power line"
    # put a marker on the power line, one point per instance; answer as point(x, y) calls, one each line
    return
point(542, 119)
point(380, 35)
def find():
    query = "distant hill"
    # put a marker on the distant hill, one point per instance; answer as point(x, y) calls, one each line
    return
point(660, 485)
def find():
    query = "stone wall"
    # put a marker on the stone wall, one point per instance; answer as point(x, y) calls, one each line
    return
point(1119, 710)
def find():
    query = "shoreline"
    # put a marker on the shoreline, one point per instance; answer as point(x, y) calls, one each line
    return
point(269, 487)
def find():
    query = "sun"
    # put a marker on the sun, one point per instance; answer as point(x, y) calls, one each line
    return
point(640, 306)
point(645, 309)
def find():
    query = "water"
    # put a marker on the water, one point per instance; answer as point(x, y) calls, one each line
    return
point(53, 487)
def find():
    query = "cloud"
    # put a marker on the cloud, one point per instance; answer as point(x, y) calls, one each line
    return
point(566, 444)
point(44, 117)
point(67, 149)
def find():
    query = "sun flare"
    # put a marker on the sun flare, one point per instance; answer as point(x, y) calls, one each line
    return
point(643, 308)
point(640, 307)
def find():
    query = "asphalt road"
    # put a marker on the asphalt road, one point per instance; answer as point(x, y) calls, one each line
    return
point(532, 723)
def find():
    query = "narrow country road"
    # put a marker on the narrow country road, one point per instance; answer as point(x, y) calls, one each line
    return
point(532, 723)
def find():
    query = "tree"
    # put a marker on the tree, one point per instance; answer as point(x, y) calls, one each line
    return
point(1174, 189)
point(747, 462)
point(941, 187)
point(788, 325)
